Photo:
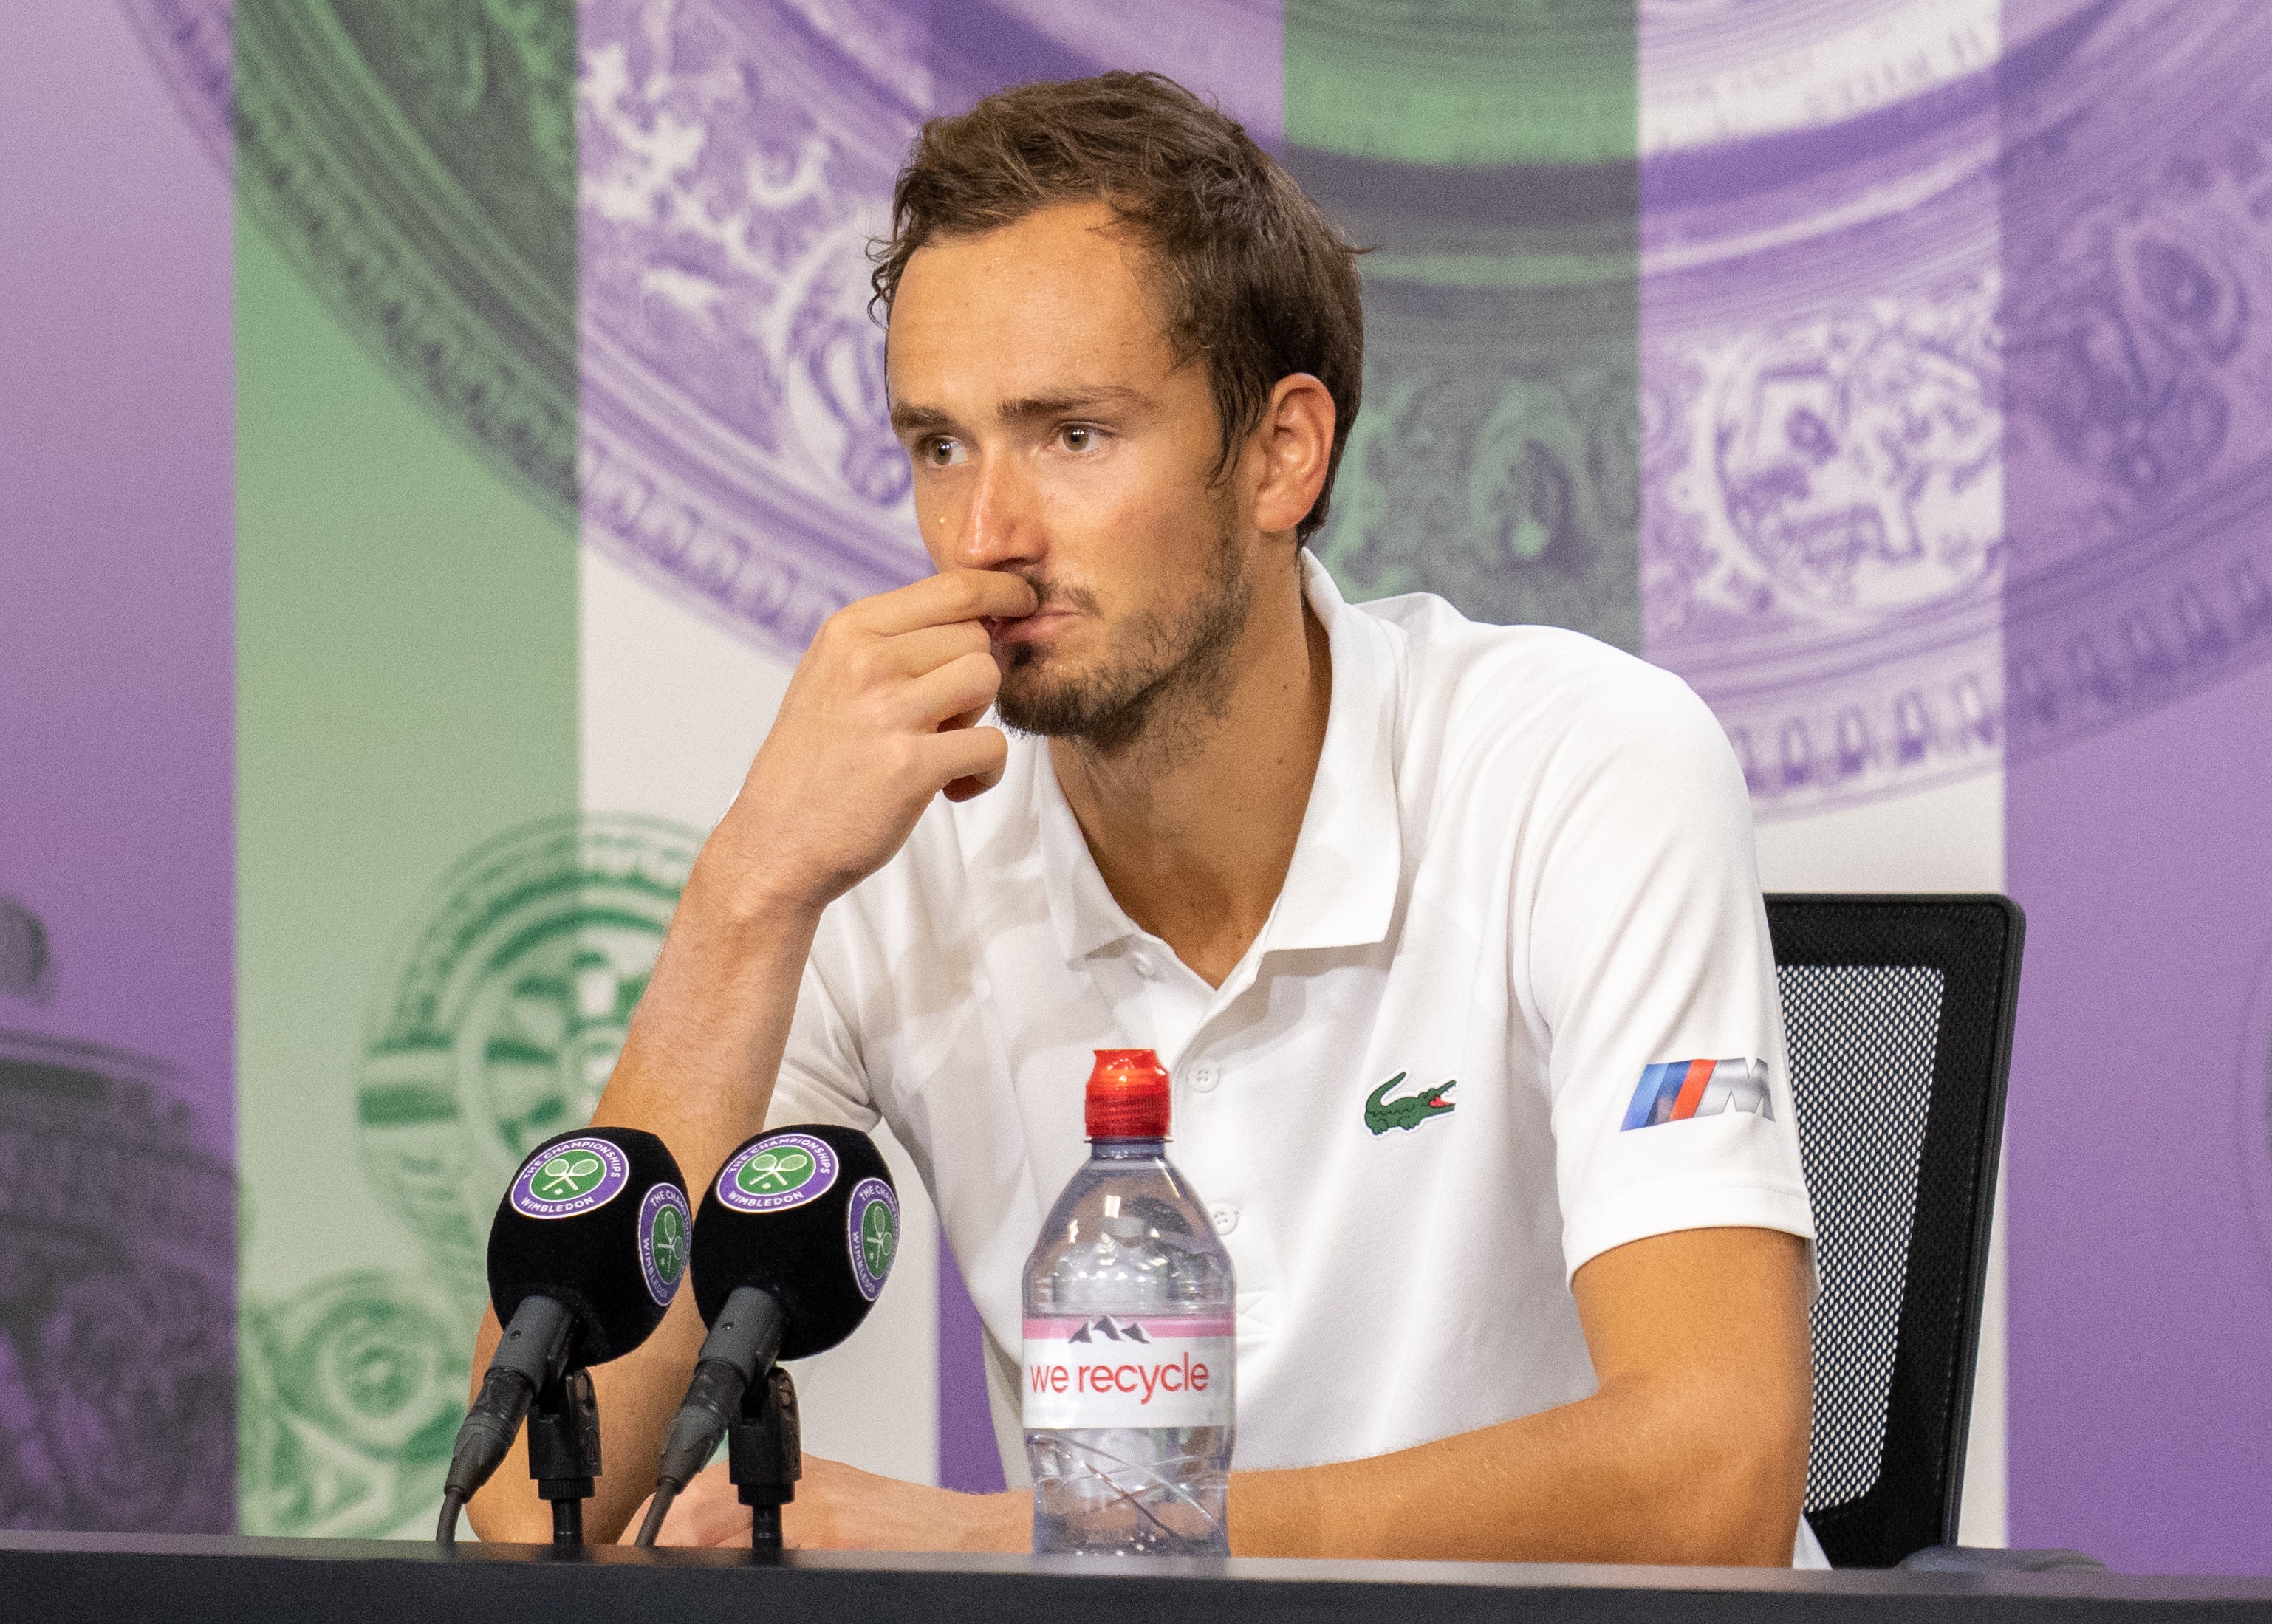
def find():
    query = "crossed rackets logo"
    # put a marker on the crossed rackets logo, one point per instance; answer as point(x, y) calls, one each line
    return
point(668, 1242)
point(879, 1239)
point(775, 1172)
point(565, 1177)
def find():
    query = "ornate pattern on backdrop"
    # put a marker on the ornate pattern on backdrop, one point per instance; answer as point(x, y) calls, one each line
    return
point(1813, 459)
point(1875, 298)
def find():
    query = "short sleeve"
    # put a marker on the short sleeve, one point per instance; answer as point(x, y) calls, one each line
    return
point(821, 1077)
point(1654, 975)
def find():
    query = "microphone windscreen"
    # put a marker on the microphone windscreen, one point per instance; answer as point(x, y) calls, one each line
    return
point(598, 1219)
point(808, 1213)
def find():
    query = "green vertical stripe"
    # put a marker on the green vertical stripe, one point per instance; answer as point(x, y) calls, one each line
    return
point(407, 672)
point(1487, 155)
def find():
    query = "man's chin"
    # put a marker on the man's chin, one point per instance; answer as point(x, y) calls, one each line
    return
point(1039, 696)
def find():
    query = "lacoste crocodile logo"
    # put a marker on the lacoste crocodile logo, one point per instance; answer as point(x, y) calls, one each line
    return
point(1382, 1113)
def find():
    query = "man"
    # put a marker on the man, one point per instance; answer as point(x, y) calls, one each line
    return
point(1448, 933)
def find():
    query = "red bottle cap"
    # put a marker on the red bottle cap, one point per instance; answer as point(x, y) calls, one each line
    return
point(1128, 1095)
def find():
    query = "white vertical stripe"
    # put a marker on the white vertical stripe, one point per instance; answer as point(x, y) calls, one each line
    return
point(672, 709)
point(1985, 1516)
point(1948, 838)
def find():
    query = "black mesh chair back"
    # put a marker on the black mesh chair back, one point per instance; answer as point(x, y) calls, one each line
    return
point(1899, 1014)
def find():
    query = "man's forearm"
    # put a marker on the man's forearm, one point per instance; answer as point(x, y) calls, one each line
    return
point(1624, 1476)
point(698, 1070)
point(1693, 1450)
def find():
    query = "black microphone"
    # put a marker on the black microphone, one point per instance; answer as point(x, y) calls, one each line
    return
point(589, 1246)
point(792, 1245)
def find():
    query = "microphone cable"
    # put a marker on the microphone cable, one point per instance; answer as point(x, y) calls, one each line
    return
point(446, 1530)
point(657, 1509)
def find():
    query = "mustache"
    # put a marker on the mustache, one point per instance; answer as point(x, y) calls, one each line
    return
point(1057, 596)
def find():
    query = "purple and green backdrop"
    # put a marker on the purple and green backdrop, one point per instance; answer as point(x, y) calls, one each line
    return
point(433, 426)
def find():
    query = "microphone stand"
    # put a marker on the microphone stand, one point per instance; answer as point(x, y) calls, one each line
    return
point(765, 1455)
point(564, 1450)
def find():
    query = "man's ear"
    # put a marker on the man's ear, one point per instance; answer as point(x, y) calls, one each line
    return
point(1296, 442)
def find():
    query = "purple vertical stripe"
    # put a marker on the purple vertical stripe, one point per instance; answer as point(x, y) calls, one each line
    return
point(115, 702)
point(2137, 450)
point(967, 1457)
point(2141, 1298)
point(116, 733)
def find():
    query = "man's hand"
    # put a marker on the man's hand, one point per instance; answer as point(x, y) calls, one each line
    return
point(840, 1508)
point(878, 718)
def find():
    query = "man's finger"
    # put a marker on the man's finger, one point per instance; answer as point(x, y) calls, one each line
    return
point(955, 689)
point(913, 654)
point(977, 755)
point(949, 596)
point(973, 785)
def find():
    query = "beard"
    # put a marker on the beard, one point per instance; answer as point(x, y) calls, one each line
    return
point(1164, 671)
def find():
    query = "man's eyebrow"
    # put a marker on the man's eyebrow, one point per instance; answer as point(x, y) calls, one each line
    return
point(910, 419)
point(918, 419)
point(1066, 402)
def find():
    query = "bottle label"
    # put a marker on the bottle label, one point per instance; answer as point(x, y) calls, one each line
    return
point(1155, 1370)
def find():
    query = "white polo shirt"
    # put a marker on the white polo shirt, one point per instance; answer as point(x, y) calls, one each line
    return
point(1524, 886)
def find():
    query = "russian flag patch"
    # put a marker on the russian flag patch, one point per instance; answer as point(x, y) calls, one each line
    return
point(1673, 1091)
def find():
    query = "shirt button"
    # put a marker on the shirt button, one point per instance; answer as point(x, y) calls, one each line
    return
point(1226, 1219)
point(1205, 1078)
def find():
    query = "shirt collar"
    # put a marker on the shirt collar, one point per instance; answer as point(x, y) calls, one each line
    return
point(1348, 858)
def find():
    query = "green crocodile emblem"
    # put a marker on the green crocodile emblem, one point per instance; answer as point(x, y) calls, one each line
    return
point(1382, 1113)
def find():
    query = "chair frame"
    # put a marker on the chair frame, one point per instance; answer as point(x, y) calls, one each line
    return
point(1976, 941)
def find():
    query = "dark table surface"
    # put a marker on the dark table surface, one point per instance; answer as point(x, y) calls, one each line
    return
point(119, 1578)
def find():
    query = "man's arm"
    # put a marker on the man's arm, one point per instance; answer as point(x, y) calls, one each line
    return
point(878, 719)
point(1693, 1449)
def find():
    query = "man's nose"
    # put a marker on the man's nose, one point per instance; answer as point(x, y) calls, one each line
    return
point(1001, 525)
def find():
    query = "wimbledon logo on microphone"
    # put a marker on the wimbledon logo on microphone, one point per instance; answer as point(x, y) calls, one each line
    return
point(666, 1222)
point(785, 1170)
point(871, 1227)
point(576, 1176)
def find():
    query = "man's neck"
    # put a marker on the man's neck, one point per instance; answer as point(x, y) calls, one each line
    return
point(1193, 827)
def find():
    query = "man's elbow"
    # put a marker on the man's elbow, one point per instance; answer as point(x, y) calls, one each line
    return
point(1737, 1501)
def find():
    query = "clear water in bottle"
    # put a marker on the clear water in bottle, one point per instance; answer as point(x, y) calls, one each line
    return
point(1128, 1383)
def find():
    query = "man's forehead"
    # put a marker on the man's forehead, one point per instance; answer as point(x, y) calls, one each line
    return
point(1051, 303)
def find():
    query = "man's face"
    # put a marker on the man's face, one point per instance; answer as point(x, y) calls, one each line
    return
point(1052, 437)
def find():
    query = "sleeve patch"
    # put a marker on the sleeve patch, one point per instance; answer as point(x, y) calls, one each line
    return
point(1673, 1091)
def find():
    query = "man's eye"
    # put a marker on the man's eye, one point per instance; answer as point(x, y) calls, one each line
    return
point(1077, 438)
point(941, 452)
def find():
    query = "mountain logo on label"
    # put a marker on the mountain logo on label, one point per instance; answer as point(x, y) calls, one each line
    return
point(1111, 1330)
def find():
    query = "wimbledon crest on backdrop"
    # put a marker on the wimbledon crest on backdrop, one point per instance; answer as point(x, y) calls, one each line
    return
point(495, 1028)
point(504, 1020)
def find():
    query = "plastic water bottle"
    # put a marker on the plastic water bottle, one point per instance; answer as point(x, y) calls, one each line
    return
point(1128, 1384)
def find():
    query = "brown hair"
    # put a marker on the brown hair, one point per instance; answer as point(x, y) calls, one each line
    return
point(1254, 278)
